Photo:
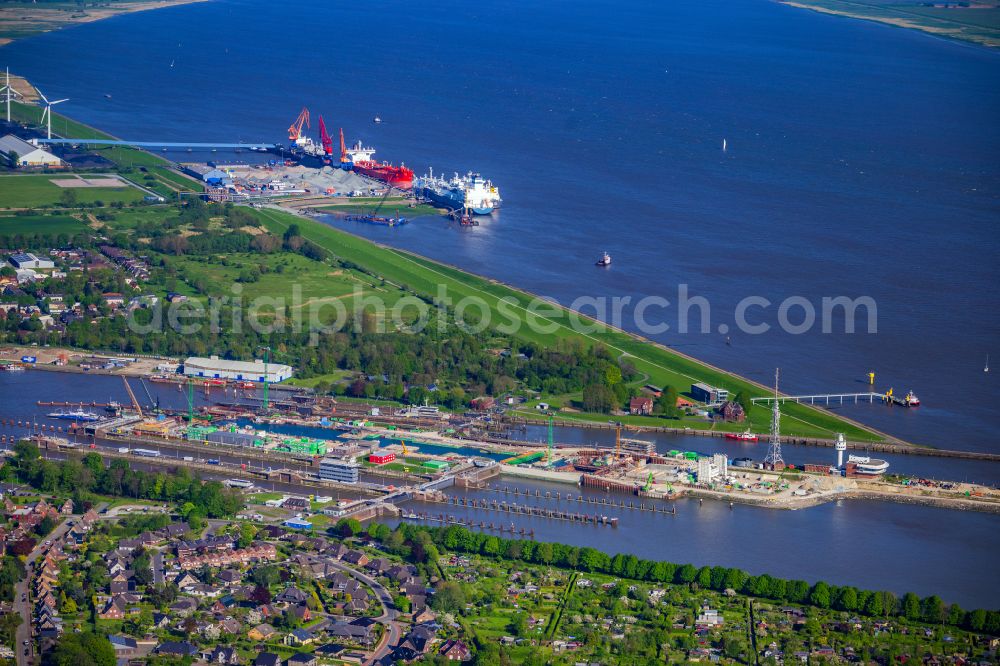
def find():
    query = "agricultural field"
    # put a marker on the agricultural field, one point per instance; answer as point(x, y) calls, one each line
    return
point(11, 225)
point(37, 190)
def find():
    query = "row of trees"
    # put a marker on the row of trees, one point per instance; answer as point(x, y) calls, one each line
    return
point(78, 477)
point(821, 594)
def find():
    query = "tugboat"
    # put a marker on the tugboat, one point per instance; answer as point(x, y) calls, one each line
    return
point(912, 400)
point(605, 260)
point(377, 120)
point(745, 436)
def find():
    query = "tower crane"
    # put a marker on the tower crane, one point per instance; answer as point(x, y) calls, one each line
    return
point(325, 138)
point(295, 130)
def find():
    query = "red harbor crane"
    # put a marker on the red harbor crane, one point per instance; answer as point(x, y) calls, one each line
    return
point(295, 130)
point(325, 138)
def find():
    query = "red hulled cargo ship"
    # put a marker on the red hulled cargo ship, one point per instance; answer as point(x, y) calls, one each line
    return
point(360, 159)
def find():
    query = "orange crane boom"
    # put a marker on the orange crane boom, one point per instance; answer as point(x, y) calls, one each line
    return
point(295, 130)
point(135, 402)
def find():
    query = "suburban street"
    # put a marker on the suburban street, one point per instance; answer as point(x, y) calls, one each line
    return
point(22, 601)
point(393, 631)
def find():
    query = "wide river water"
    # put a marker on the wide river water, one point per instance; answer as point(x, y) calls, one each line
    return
point(861, 159)
point(876, 545)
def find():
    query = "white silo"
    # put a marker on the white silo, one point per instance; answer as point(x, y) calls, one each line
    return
point(841, 447)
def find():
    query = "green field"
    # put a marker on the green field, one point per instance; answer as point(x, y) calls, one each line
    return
point(662, 366)
point(40, 224)
point(980, 24)
point(298, 281)
point(36, 190)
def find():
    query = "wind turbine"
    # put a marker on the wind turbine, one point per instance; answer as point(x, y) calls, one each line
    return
point(47, 113)
point(7, 89)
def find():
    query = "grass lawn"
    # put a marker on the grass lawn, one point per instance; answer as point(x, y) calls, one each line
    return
point(260, 498)
point(32, 191)
point(662, 365)
point(301, 283)
point(311, 382)
point(40, 224)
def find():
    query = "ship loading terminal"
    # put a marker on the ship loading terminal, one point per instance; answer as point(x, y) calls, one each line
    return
point(309, 174)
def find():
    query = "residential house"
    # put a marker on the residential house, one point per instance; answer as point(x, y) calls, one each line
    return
point(454, 650)
point(262, 632)
point(177, 648)
point(299, 637)
point(641, 405)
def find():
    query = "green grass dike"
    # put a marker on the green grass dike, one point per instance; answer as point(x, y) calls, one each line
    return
point(663, 366)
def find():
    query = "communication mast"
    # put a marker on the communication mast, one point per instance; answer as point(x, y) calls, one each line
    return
point(774, 459)
point(548, 458)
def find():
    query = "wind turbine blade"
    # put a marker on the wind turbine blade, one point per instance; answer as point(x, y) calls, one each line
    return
point(42, 95)
point(59, 101)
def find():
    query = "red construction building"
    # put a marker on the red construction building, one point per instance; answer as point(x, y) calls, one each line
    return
point(381, 457)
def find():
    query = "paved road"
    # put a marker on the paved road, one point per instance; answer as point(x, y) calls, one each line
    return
point(23, 608)
point(394, 631)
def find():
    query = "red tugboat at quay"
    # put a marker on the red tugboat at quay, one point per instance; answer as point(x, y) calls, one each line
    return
point(745, 436)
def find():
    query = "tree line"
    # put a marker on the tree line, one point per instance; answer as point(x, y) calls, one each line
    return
point(80, 477)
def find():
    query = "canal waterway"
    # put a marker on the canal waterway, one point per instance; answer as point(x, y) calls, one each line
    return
point(880, 545)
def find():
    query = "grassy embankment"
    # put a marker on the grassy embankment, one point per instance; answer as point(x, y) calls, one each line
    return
point(390, 208)
point(977, 24)
point(660, 365)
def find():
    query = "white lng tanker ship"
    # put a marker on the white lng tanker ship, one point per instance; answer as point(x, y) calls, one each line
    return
point(469, 192)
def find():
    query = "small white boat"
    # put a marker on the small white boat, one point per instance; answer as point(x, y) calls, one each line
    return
point(377, 119)
point(605, 260)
